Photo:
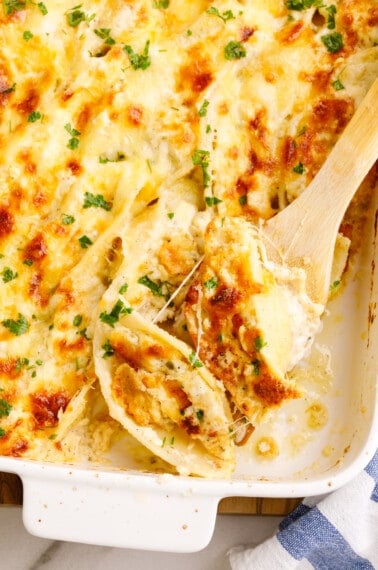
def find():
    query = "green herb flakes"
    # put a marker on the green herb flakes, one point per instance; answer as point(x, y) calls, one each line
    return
point(96, 201)
point(34, 116)
point(234, 50)
point(67, 219)
point(114, 315)
point(333, 42)
point(5, 408)
point(85, 242)
point(108, 349)
point(27, 35)
point(104, 34)
point(225, 16)
point(211, 283)
point(203, 109)
point(337, 85)
point(16, 327)
point(194, 361)
point(201, 158)
point(8, 274)
point(299, 168)
point(138, 61)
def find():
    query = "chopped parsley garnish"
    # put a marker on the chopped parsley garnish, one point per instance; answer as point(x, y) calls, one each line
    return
point(28, 262)
point(77, 320)
point(85, 242)
point(2, 432)
point(211, 283)
point(42, 8)
point(73, 142)
point(119, 157)
point(113, 317)
point(300, 5)
point(259, 343)
point(226, 15)
point(123, 288)
point(208, 129)
point(138, 61)
point(200, 414)
point(334, 286)
point(34, 116)
point(108, 349)
point(194, 361)
point(331, 22)
point(104, 34)
point(156, 287)
point(39, 362)
point(96, 201)
point(5, 408)
point(337, 85)
point(20, 363)
point(256, 367)
point(201, 158)
point(203, 109)
point(299, 168)
point(8, 90)
point(333, 42)
point(161, 4)
point(75, 16)
point(170, 215)
point(234, 50)
point(11, 6)
point(27, 35)
point(16, 327)
point(8, 274)
point(243, 200)
point(212, 200)
point(67, 219)
point(83, 333)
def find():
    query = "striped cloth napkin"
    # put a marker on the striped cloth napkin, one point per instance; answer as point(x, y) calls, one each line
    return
point(336, 532)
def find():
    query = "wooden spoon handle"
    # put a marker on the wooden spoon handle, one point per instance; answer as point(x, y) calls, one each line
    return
point(308, 227)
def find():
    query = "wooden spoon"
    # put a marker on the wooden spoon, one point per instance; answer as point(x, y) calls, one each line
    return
point(304, 234)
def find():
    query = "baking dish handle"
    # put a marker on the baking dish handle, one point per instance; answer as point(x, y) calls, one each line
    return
point(146, 516)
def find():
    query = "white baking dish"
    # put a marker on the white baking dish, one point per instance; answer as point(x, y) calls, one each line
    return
point(127, 508)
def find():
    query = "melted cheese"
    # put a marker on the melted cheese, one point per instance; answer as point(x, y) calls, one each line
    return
point(124, 128)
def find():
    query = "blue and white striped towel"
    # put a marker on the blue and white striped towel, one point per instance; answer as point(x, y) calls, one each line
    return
point(337, 532)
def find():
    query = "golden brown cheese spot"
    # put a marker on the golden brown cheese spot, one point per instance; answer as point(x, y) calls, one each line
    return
point(75, 167)
point(127, 385)
point(225, 298)
point(29, 103)
point(18, 448)
point(9, 368)
point(335, 113)
point(6, 221)
point(76, 346)
point(134, 115)
point(30, 166)
point(45, 407)
point(39, 198)
point(84, 117)
point(176, 255)
point(271, 391)
point(195, 76)
point(36, 290)
point(289, 151)
point(246, 32)
point(36, 249)
point(291, 32)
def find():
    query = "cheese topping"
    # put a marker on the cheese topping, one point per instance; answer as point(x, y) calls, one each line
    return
point(129, 131)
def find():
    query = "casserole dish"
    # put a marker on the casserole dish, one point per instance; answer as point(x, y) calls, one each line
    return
point(126, 507)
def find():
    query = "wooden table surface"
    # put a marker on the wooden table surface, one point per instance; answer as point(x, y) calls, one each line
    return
point(11, 494)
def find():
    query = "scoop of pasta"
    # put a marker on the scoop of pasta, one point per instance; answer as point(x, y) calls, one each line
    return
point(156, 387)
